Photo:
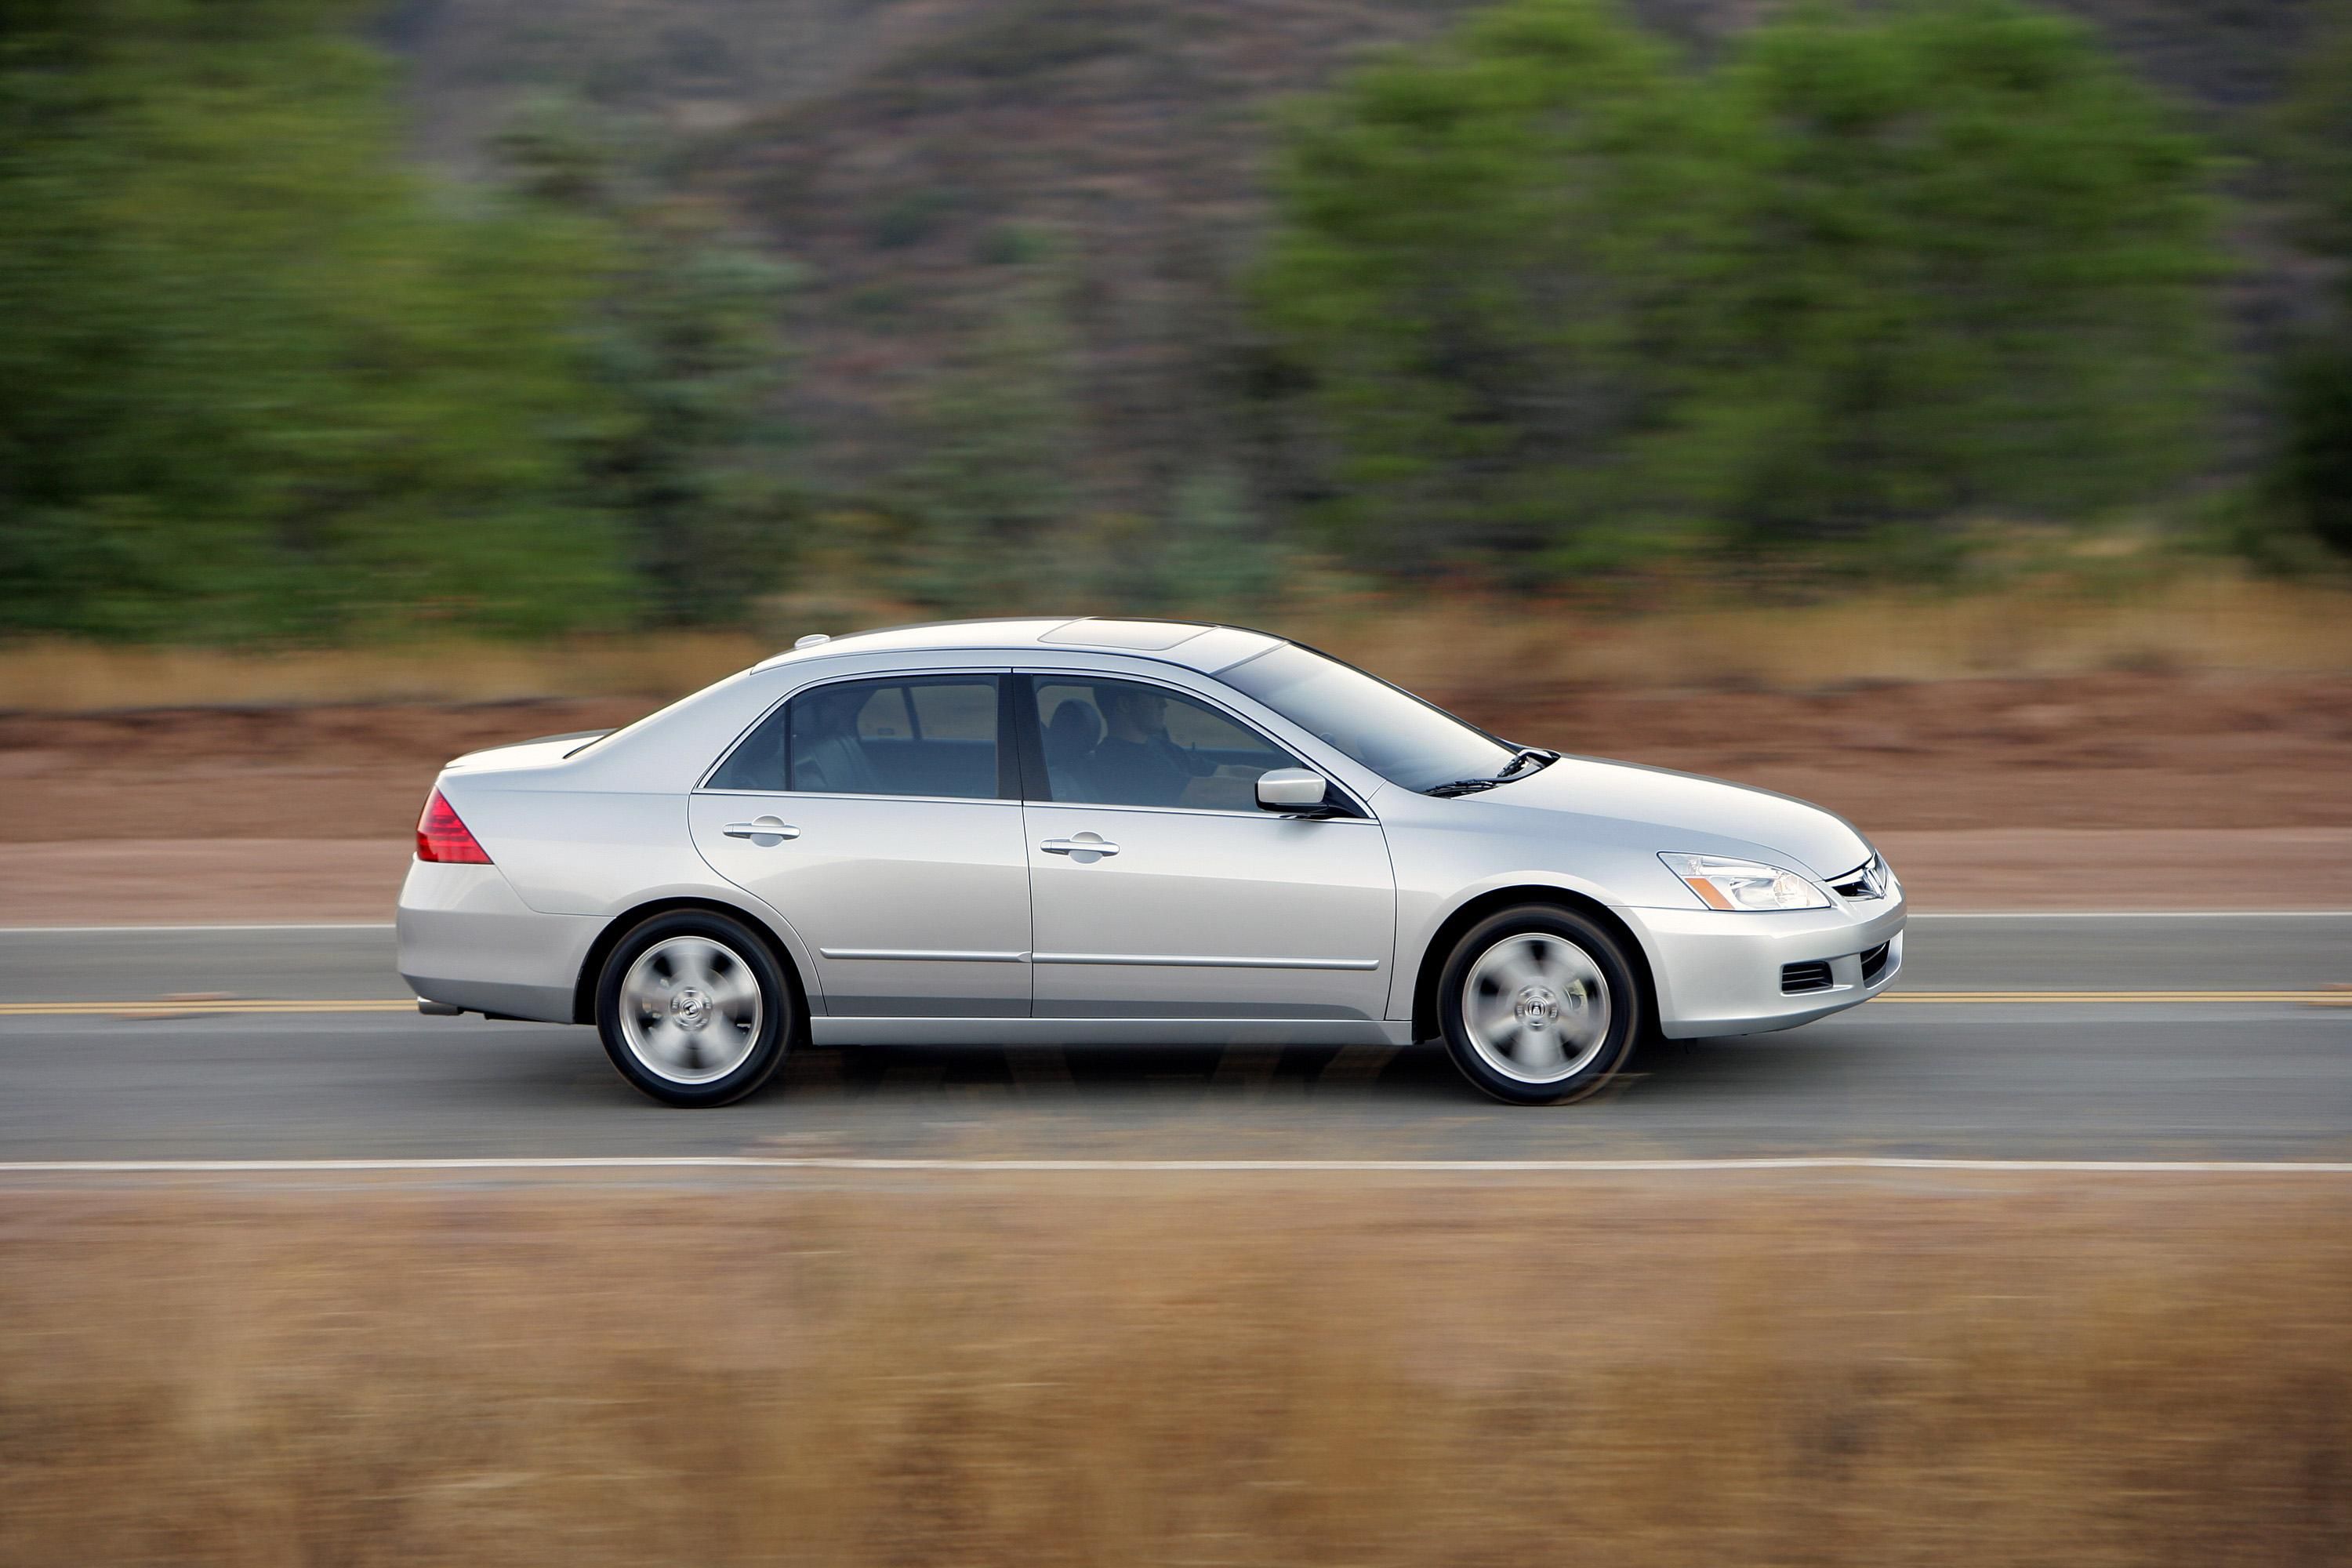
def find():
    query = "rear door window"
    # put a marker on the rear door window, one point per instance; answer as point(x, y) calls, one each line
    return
point(934, 735)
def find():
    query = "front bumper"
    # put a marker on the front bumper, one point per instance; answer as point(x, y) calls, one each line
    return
point(1719, 973)
point(467, 941)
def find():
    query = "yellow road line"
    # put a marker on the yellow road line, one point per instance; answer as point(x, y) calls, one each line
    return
point(161, 1007)
point(2336, 998)
point(164, 1009)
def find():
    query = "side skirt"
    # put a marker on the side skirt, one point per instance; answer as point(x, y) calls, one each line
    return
point(1110, 1032)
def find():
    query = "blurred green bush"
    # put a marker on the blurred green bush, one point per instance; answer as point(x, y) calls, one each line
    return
point(263, 382)
point(2310, 472)
point(1555, 297)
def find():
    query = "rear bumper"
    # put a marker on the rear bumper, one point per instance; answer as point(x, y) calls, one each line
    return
point(1719, 973)
point(468, 941)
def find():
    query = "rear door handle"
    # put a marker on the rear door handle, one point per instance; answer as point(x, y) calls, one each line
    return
point(766, 827)
point(1086, 844)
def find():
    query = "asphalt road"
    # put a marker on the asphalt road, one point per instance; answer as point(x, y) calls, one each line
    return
point(2136, 1074)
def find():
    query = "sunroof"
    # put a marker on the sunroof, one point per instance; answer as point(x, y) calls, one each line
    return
point(1148, 636)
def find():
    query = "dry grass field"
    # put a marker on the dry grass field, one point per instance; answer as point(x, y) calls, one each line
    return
point(1258, 1368)
point(1454, 647)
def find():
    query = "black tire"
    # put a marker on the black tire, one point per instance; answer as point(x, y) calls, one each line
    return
point(1591, 1021)
point(723, 1052)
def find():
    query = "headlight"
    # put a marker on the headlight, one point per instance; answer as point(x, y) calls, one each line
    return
point(1724, 884)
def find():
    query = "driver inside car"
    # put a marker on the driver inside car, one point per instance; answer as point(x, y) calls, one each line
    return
point(1137, 763)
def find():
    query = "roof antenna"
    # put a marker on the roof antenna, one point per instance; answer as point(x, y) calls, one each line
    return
point(812, 639)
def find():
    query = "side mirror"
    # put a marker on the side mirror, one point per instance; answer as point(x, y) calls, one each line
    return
point(1291, 789)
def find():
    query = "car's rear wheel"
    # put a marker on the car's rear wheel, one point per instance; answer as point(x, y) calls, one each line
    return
point(1538, 1005)
point(694, 1009)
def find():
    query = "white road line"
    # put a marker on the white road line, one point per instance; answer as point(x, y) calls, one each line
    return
point(1169, 1167)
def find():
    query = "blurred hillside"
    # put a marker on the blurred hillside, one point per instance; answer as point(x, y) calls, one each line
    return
point(937, 166)
point(713, 65)
point(922, 159)
point(326, 320)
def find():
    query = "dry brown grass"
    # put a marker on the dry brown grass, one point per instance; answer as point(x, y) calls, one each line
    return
point(66, 676)
point(2219, 622)
point(1226, 1370)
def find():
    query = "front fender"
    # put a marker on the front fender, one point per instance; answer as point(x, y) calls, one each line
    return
point(1432, 915)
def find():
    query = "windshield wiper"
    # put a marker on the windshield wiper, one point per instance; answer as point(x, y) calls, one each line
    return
point(1539, 755)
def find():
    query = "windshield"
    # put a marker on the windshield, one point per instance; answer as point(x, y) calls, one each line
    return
point(1389, 730)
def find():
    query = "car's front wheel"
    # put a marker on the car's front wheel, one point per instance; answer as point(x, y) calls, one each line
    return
point(694, 1009)
point(1538, 1005)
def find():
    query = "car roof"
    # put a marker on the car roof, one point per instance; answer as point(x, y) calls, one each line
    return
point(1197, 645)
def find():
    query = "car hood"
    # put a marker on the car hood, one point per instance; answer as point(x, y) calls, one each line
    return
point(1689, 813)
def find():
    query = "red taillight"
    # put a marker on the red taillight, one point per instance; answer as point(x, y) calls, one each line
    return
point(441, 836)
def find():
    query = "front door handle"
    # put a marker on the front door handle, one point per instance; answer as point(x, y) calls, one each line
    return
point(1083, 844)
point(766, 827)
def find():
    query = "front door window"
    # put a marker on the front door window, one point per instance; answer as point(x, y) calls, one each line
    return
point(1124, 742)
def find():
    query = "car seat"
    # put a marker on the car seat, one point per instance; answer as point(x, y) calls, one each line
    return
point(828, 755)
point(1069, 736)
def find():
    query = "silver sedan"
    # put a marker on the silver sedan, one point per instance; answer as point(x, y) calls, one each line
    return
point(1104, 831)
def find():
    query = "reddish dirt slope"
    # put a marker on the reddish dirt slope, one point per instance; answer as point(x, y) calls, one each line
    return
point(2111, 790)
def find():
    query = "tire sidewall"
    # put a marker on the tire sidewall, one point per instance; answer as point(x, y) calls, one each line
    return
point(778, 1007)
point(1625, 1003)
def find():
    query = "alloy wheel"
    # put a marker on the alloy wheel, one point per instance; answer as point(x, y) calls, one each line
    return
point(691, 1009)
point(1536, 1009)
